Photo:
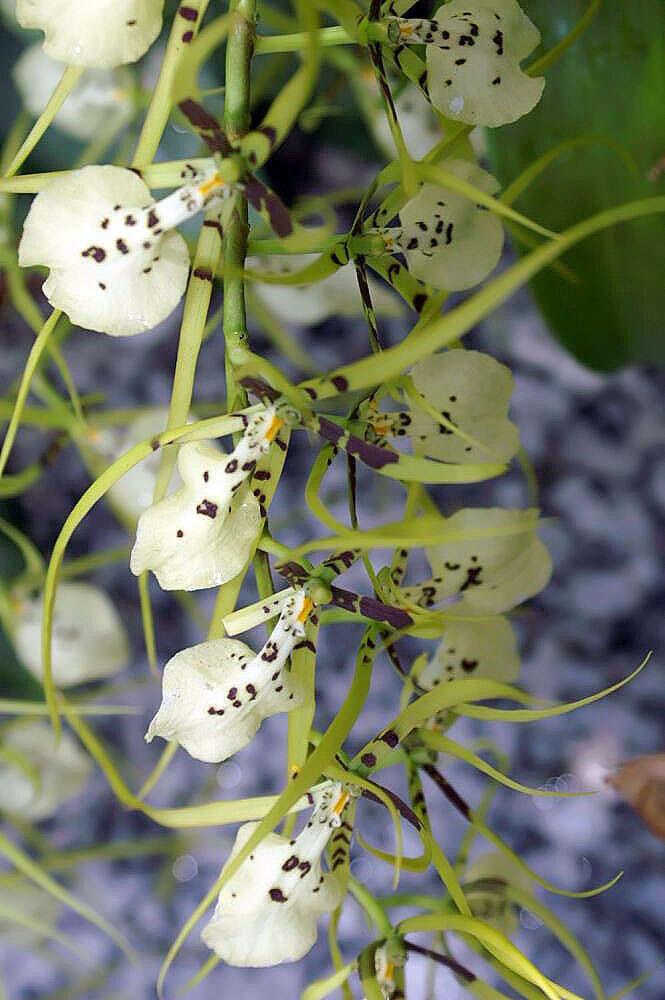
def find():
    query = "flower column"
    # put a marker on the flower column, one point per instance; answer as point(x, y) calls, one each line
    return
point(239, 50)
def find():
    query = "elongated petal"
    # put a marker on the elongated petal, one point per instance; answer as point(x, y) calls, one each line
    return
point(473, 67)
point(485, 647)
point(110, 269)
point(449, 241)
point(89, 640)
point(45, 772)
point(472, 391)
point(101, 34)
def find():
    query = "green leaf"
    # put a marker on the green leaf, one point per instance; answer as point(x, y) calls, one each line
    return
point(611, 81)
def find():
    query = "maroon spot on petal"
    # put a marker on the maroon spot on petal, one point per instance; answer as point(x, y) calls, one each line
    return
point(390, 737)
point(368, 759)
point(188, 13)
point(97, 254)
point(207, 508)
point(277, 896)
point(290, 863)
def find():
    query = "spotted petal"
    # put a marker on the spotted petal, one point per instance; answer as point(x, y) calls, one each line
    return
point(473, 66)
point(484, 647)
point(266, 913)
point(202, 535)
point(472, 391)
point(111, 270)
point(101, 34)
point(501, 564)
point(449, 241)
point(213, 702)
point(37, 772)
point(89, 640)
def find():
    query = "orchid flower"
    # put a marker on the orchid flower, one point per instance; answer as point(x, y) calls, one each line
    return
point(116, 264)
point(473, 53)
point(500, 564)
point(98, 94)
point(216, 695)
point(103, 34)
point(491, 872)
point(134, 491)
point(38, 772)
point(449, 241)
point(89, 640)
point(420, 129)
point(202, 535)
point(306, 305)
point(472, 393)
point(267, 911)
point(473, 647)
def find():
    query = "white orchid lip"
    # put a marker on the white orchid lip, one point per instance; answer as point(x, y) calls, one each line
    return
point(202, 535)
point(448, 240)
point(89, 640)
point(98, 94)
point(216, 694)
point(266, 914)
point(116, 264)
point(44, 772)
point(473, 52)
point(472, 393)
point(103, 34)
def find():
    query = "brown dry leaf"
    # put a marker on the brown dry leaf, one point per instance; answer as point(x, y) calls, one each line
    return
point(641, 782)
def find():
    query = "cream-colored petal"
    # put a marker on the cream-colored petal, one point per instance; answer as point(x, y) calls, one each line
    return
point(501, 564)
point(213, 703)
point(89, 640)
point(267, 912)
point(52, 772)
point(100, 93)
point(307, 305)
point(100, 34)
point(110, 271)
point(135, 490)
point(473, 391)
point(420, 128)
point(485, 647)
point(476, 78)
point(449, 241)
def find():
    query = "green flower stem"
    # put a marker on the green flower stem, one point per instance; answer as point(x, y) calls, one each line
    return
point(299, 40)
point(371, 906)
point(66, 84)
point(160, 106)
point(28, 372)
point(239, 50)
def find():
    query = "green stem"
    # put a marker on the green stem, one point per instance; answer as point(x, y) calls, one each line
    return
point(239, 51)
point(300, 39)
point(66, 84)
point(182, 32)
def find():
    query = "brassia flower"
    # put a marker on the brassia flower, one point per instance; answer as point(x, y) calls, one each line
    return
point(216, 695)
point(89, 640)
point(420, 129)
point(100, 93)
point(485, 881)
point(103, 34)
point(134, 491)
point(116, 265)
point(37, 772)
point(202, 535)
point(481, 647)
point(449, 241)
point(473, 54)
point(306, 305)
point(267, 911)
point(472, 392)
point(503, 565)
